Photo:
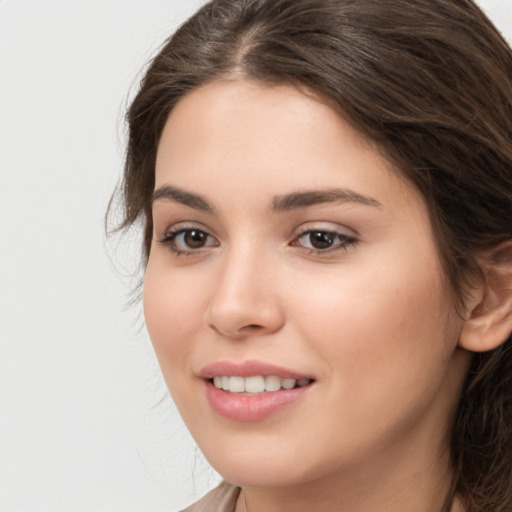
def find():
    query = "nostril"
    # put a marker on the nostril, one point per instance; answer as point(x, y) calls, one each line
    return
point(253, 327)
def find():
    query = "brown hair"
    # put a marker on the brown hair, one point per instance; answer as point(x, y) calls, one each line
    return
point(430, 82)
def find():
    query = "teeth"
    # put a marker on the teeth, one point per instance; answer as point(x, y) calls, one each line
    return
point(288, 383)
point(254, 384)
point(257, 384)
point(272, 383)
point(236, 384)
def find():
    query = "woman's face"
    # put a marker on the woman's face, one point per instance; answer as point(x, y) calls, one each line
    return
point(292, 266)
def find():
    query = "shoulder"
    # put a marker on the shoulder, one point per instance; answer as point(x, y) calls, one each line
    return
point(221, 499)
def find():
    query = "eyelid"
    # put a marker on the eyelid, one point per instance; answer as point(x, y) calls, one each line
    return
point(348, 237)
point(162, 230)
point(331, 227)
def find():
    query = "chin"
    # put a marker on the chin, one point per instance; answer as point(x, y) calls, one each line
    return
point(270, 475)
point(249, 463)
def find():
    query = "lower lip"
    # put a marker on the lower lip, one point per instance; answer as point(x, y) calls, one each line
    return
point(247, 408)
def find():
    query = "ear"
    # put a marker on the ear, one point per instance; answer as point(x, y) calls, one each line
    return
point(489, 320)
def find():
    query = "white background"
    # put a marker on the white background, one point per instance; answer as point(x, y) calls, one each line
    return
point(85, 424)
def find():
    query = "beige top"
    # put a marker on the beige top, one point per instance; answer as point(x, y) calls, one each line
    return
point(222, 499)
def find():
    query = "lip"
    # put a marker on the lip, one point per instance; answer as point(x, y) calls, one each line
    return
point(250, 408)
point(249, 368)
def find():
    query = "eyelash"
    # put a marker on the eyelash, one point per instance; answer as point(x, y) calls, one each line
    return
point(344, 241)
point(169, 240)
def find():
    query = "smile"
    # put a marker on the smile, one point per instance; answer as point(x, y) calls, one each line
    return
point(257, 384)
point(252, 390)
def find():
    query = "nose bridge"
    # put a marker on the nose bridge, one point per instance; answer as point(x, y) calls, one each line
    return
point(245, 297)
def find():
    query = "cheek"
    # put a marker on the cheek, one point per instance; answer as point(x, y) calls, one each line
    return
point(172, 314)
point(382, 328)
point(386, 355)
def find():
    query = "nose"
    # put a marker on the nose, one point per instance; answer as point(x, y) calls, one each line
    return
point(245, 300)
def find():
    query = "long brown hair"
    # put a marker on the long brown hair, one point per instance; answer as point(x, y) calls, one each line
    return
point(430, 83)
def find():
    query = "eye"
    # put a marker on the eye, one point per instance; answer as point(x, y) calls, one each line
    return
point(318, 241)
point(188, 240)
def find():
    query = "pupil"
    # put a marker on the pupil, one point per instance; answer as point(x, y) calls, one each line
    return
point(322, 239)
point(195, 239)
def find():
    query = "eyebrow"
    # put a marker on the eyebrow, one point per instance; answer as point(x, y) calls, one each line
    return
point(181, 196)
point(282, 203)
point(297, 200)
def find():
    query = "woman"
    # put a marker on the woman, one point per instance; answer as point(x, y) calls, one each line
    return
point(326, 191)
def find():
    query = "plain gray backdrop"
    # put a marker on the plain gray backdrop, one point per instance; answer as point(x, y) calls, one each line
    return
point(84, 422)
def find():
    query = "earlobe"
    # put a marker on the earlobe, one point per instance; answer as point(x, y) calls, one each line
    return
point(489, 321)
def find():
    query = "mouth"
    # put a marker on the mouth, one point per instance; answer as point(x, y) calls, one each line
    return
point(257, 384)
point(252, 390)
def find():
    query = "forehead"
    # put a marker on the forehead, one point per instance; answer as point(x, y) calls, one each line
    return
point(244, 114)
point(240, 135)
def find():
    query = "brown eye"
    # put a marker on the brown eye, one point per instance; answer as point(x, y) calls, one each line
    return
point(188, 241)
point(321, 239)
point(195, 239)
point(324, 241)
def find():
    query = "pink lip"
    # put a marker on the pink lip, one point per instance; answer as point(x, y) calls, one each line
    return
point(248, 369)
point(247, 408)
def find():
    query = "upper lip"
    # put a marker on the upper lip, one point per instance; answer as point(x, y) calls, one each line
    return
point(248, 369)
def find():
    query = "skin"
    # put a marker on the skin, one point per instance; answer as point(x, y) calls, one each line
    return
point(372, 320)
